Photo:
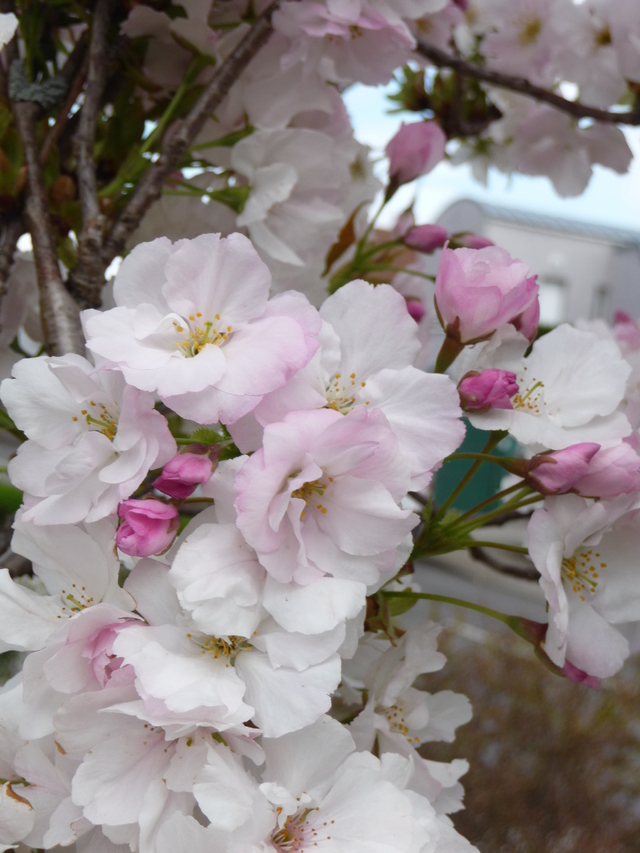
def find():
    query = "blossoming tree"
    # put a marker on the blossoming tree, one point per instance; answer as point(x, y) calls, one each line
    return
point(226, 470)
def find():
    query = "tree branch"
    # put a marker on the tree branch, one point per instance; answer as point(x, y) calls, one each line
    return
point(522, 572)
point(58, 311)
point(86, 282)
point(11, 233)
point(520, 84)
point(182, 134)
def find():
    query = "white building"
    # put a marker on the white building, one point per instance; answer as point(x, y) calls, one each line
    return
point(584, 271)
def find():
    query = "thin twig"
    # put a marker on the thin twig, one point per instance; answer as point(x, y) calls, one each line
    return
point(523, 572)
point(54, 133)
point(182, 134)
point(86, 283)
point(520, 84)
point(58, 311)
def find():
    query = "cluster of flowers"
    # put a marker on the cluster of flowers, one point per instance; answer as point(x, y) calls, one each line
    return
point(284, 112)
point(222, 687)
point(186, 708)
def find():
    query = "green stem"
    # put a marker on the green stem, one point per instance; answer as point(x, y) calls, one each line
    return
point(449, 351)
point(195, 67)
point(510, 506)
point(380, 247)
point(483, 457)
point(494, 439)
point(375, 267)
point(445, 599)
point(487, 502)
point(502, 546)
point(363, 240)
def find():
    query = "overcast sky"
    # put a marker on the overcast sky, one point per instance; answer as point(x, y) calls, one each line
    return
point(610, 199)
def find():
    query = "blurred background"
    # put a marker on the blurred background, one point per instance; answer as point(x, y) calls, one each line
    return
point(555, 766)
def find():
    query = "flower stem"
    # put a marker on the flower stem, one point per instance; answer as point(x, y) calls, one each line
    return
point(494, 439)
point(445, 599)
point(449, 351)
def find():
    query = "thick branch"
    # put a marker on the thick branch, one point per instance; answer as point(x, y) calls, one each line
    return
point(182, 134)
point(86, 284)
point(11, 233)
point(58, 311)
point(520, 84)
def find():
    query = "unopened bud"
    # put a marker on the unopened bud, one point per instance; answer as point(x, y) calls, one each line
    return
point(187, 470)
point(148, 527)
point(491, 389)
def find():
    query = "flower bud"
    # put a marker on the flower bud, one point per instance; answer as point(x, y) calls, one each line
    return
point(491, 389)
point(416, 309)
point(148, 527)
point(426, 238)
point(478, 290)
point(612, 471)
point(558, 472)
point(182, 474)
point(414, 150)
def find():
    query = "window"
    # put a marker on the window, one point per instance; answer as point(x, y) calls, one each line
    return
point(552, 300)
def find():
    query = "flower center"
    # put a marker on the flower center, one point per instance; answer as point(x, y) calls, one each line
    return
point(199, 333)
point(530, 29)
point(74, 600)
point(100, 419)
point(397, 722)
point(582, 571)
point(341, 393)
point(227, 647)
point(531, 398)
point(299, 833)
point(308, 491)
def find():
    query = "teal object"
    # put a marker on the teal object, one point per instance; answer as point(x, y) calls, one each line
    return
point(487, 480)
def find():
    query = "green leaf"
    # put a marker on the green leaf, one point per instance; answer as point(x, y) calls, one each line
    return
point(206, 435)
point(10, 498)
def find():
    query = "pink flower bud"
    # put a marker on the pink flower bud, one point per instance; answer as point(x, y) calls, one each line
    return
point(415, 150)
point(491, 389)
point(182, 474)
point(478, 290)
point(558, 472)
point(416, 309)
point(426, 238)
point(472, 241)
point(148, 527)
point(612, 471)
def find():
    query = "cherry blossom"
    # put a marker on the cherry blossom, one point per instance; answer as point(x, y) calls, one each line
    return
point(92, 438)
point(209, 348)
point(586, 555)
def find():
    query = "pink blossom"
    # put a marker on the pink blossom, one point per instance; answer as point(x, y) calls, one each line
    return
point(492, 388)
point(148, 527)
point(415, 150)
point(557, 473)
point(478, 290)
point(426, 238)
point(322, 496)
point(188, 469)
point(527, 322)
